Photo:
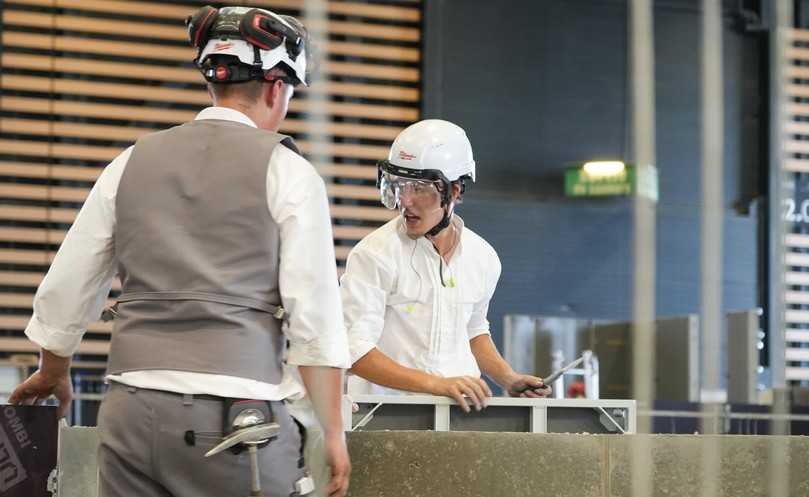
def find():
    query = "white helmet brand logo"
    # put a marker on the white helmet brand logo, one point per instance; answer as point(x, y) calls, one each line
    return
point(222, 46)
point(405, 156)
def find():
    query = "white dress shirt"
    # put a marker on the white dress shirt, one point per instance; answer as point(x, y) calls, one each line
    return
point(75, 289)
point(394, 300)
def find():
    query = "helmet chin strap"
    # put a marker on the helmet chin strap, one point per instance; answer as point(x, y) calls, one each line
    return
point(438, 228)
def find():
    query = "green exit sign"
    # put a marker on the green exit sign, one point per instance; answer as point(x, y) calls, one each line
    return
point(589, 181)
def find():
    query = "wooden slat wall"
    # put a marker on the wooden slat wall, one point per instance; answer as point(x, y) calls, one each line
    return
point(796, 258)
point(80, 80)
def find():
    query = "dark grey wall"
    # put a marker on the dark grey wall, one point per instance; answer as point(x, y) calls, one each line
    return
point(541, 84)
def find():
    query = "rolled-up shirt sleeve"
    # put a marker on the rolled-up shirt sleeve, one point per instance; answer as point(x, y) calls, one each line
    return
point(74, 292)
point(364, 288)
point(478, 322)
point(298, 203)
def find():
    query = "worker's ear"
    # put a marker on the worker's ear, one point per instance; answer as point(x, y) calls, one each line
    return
point(275, 94)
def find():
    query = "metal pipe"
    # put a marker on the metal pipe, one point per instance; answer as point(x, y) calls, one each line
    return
point(643, 130)
point(711, 240)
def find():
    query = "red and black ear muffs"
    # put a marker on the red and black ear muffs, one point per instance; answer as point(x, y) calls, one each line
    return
point(267, 33)
point(199, 26)
point(227, 69)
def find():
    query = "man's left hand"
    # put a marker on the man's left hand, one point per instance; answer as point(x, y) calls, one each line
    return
point(528, 386)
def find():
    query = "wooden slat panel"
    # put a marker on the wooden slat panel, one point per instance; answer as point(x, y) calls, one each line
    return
point(354, 172)
point(61, 150)
point(186, 75)
point(797, 72)
point(792, 316)
point(796, 165)
point(106, 154)
point(404, 54)
point(16, 300)
point(797, 91)
point(341, 252)
point(156, 9)
point(155, 31)
point(798, 34)
point(130, 133)
point(796, 259)
point(797, 354)
point(67, 216)
point(186, 54)
point(15, 256)
point(796, 147)
point(797, 109)
point(75, 130)
point(95, 46)
point(362, 213)
point(87, 109)
point(44, 171)
point(797, 53)
point(797, 335)
point(798, 128)
point(793, 278)
point(319, 135)
point(353, 191)
point(367, 10)
point(20, 278)
point(796, 298)
point(366, 131)
point(797, 374)
point(42, 214)
point(31, 235)
point(795, 240)
point(382, 92)
point(356, 69)
point(351, 232)
point(168, 116)
point(49, 236)
point(90, 174)
point(365, 30)
point(99, 68)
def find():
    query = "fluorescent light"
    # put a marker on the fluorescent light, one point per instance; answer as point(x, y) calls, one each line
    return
point(604, 168)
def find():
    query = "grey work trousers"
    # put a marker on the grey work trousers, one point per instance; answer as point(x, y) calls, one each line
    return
point(143, 450)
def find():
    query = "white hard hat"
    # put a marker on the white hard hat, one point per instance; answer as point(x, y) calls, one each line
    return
point(258, 38)
point(431, 146)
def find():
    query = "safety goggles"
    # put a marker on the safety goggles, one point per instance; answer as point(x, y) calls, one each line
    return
point(392, 188)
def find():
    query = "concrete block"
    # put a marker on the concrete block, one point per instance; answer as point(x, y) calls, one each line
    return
point(745, 464)
point(449, 464)
point(77, 461)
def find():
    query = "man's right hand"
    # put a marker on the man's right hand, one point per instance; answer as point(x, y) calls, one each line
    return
point(340, 464)
point(463, 389)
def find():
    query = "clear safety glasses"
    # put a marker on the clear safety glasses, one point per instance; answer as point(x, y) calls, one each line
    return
point(392, 188)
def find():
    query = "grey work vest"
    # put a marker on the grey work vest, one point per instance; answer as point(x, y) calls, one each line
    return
point(198, 254)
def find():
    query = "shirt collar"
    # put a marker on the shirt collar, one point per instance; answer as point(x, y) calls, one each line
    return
point(225, 114)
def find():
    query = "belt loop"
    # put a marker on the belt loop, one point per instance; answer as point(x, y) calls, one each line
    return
point(188, 399)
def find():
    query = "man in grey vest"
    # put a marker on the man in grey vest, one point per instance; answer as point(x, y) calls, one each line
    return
point(221, 235)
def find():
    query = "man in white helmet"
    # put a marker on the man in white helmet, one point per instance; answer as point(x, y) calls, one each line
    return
point(416, 291)
point(221, 234)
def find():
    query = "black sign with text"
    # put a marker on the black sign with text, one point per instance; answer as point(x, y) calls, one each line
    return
point(796, 203)
point(28, 440)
